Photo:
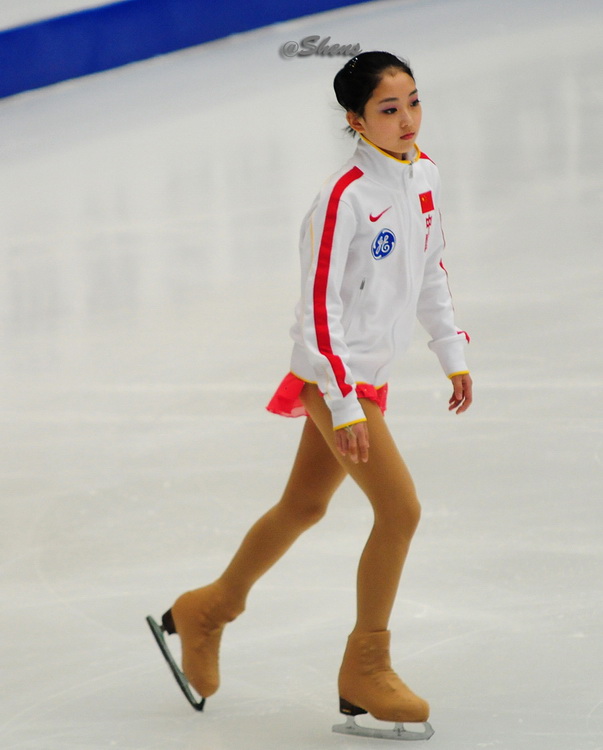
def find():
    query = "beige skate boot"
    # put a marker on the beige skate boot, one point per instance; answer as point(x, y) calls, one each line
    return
point(199, 617)
point(368, 684)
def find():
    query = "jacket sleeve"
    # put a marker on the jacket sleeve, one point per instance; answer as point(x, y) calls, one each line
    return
point(329, 231)
point(435, 309)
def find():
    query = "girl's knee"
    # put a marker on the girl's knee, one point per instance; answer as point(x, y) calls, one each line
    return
point(304, 514)
point(409, 516)
point(312, 513)
point(414, 513)
point(399, 518)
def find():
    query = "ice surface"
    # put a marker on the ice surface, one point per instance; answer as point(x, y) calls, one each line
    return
point(148, 272)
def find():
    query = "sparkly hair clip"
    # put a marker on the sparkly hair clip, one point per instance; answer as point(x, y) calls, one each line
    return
point(352, 64)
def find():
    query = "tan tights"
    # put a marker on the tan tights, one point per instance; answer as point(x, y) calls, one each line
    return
point(317, 472)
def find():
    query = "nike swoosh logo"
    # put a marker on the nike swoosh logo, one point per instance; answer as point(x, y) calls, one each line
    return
point(376, 218)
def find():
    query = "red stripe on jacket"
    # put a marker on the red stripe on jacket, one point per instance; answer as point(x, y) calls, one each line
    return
point(321, 280)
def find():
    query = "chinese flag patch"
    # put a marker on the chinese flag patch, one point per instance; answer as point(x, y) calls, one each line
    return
point(426, 202)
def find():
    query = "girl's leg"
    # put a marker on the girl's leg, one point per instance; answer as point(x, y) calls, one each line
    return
point(390, 489)
point(367, 681)
point(315, 476)
point(199, 616)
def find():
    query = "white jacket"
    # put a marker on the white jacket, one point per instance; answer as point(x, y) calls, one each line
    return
point(371, 247)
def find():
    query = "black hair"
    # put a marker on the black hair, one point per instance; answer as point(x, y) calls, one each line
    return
point(360, 76)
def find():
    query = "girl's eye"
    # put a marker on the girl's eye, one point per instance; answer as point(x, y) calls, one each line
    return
point(389, 111)
point(415, 103)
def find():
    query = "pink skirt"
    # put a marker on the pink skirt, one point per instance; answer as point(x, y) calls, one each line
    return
point(287, 403)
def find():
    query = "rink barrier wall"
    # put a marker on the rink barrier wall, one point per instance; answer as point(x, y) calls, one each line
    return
point(96, 39)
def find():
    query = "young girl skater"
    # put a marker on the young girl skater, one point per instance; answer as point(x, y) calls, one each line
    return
point(371, 248)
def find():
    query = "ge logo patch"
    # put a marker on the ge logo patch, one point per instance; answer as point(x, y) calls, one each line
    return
point(383, 244)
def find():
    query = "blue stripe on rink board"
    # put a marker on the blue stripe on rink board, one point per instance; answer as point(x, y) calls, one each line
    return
point(106, 37)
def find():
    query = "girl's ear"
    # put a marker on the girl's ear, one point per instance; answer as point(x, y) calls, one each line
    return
point(355, 122)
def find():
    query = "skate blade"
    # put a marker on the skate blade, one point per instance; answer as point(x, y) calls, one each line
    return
point(399, 732)
point(179, 675)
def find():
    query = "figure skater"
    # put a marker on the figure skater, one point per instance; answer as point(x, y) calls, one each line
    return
point(371, 263)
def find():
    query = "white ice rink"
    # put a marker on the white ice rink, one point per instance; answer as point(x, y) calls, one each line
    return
point(148, 273)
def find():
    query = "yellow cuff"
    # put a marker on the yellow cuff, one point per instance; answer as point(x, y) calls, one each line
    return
point(348, 424)
point(462, 372)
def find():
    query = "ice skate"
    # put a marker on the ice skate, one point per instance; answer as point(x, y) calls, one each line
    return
point(158, 632)
point(369, 685)
point(198, 617)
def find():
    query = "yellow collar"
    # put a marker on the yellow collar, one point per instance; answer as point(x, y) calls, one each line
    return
point(389, 156)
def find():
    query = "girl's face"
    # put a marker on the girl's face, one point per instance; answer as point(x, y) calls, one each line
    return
point(392, 116)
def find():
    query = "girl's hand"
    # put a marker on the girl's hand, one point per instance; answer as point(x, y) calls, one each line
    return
point(353, 441)
point(462, 394)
